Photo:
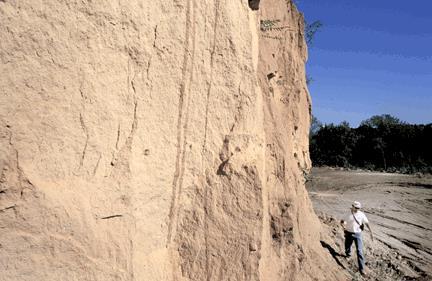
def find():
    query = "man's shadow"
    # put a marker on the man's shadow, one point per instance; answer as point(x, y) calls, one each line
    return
point(333, 252)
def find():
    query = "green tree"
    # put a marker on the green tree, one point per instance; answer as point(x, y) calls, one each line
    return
point(384, 120)
point(316, 125)
point(382, 142)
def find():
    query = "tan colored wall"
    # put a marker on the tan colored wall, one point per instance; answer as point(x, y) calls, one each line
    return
point(142, 140)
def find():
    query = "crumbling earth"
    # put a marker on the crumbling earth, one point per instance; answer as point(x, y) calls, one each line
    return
point(156, 140)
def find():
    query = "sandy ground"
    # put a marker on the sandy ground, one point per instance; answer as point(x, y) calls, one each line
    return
point(399, 209)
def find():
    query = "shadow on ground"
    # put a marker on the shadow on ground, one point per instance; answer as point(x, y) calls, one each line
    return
point(334, 253)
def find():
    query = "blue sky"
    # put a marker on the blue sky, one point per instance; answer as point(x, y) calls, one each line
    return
point(370, 58)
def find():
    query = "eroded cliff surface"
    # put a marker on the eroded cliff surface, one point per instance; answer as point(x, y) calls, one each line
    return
point(162, 140)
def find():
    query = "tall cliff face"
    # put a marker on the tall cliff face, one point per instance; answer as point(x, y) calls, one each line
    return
point(162, 140)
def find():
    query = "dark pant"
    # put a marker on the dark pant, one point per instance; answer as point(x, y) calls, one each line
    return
point(357, 239)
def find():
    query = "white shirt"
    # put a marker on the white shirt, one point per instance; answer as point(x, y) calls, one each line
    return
point(352, 225)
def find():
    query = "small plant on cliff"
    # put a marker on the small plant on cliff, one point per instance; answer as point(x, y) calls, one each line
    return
point(311, 29)
point(268, 24)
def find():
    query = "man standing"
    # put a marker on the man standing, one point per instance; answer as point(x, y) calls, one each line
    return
point(353, 226)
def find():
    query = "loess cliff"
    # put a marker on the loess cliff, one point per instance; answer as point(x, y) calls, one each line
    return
point(155, 140)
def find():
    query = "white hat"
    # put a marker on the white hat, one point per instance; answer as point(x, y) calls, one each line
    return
point(356, 204)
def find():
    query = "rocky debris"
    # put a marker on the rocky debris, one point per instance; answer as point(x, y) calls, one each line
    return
point(399, 221)
point(382, 263)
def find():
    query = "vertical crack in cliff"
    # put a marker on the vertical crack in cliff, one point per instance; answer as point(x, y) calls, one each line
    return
point(206, 183)
point(118, 136)
point(20, 174)
point(182, 125)
point(134, 127)
point(97, 165)
point(155, 37)
point(239, 106)
point(212, 53)
point(82, 123)
point(84, 127)
point(125, 150)
point(272, 119)
point(22, 178)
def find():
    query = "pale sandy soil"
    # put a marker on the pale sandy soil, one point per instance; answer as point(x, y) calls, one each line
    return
point(155, 140)
point(399, 209)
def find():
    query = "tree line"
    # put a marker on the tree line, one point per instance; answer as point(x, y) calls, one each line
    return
point(382, 143)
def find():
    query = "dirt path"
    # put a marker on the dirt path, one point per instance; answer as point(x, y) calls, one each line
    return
point(399, 208)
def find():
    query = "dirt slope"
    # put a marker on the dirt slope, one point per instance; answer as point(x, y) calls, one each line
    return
point(398, 207)
point(155, 140)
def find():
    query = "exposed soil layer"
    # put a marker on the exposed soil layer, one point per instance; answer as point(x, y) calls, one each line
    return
point(156, 140)
point(399, 210)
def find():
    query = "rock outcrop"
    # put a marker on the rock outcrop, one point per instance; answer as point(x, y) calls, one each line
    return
point(155, 140)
